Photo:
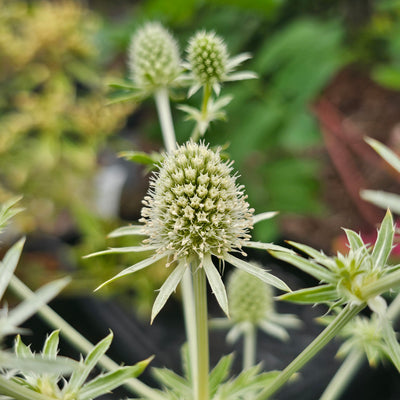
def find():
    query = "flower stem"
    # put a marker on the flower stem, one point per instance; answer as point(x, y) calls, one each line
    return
point(207, 90)
point(164, 114)
point(249, 346)
point(312, 349)
point(18, 392)
point(200, 300)
point(343, 376)
point(79, 341)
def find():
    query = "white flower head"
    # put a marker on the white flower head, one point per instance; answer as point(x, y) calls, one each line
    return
point(154, 60)
point(195, 207)
point(209, 62)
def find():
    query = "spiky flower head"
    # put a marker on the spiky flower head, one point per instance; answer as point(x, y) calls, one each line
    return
point(209, 63)
point(208, 56)
point(153, 57)
point(194, 206)
point(250, 299)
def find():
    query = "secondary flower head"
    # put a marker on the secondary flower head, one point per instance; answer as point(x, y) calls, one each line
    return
point(195, 207)
point(195, 210)
point(210, 64)
point(153, 58)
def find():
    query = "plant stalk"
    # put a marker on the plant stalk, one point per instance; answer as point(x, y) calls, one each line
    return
point(343, 376)
point(200, 300)
point(312, 349)
point(164, 114)
point(249, 346)
point(207, 91)
point(79, 341)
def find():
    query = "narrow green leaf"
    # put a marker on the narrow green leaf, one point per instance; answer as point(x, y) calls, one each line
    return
point(384, 241)
point(167, 288)
point(355, 240)
point(382, 199)
point(263, 216)
point(21, 350)
point(7, 211)
point(118, 250)
point(141, 157)
point(130, 230)
point(267, 246)
point(389, 336)
point(136, 267)
point(50, 347)
point(314, 295)
point(29, 307)
point(258, 272)
point(220, 372)
point(384, 151)
point(315, 254)
point(308, 266)
point(80, 375)
point(107, 382)
point(9, 263)
point(173, 381)
point(215, 281)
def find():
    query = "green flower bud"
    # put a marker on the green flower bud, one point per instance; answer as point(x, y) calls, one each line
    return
point(153, 57)
point(208, 58)
point(250, 299)
point(194, 206)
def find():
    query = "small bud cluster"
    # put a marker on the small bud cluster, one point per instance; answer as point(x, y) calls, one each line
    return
point(208, 57)
point(153, 57)
point(250, 299)
point(194, 206)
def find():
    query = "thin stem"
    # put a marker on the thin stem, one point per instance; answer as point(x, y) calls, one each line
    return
point(79, 341)
point(164, 114)
point(382, 285)
point(200, 300)
point(189, 311)
point(19, 392)
point(249, 346)
point(312, 349)
point(207, 91)
point(343, 376)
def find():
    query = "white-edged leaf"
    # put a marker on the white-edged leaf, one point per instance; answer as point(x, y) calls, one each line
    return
point(8, 210)
point(388, 155)
point(173, 381)
point(8, 265)
point(167, 288)
point(308, 266)
point(384, 241)
point(313, 295)
point(241, 76)
point(263, 216)
point(50, 347)
point(220, 373)
point(30, 306)
point(267, 246)
point(21, 350)
point(354, 239)
point(129, 230)
point(382, 199)
point(310, 251)
point(258, 272)
point(393, 345)
point(135, 267)
point(36, 363)
point(274, 330)
point(235, 61)
point(79, 376)
point(117, 250)
point(107, 382)
point(215, 281)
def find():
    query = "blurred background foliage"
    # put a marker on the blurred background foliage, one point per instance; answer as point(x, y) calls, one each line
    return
point(57, 134)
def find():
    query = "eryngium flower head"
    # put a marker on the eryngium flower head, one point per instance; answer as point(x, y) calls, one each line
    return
point(195, 207)
point(250, 299)
point(153, 57)
point(208, 56)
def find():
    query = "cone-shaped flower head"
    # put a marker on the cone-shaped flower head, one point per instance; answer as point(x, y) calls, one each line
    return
point(250, 299)
point(208, 56)
point(153, 57)
point(195, 207)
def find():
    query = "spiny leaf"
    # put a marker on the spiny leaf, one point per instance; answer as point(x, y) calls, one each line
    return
point(317, 294)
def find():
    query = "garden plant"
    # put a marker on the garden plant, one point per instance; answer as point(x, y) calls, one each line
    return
point(196, 219)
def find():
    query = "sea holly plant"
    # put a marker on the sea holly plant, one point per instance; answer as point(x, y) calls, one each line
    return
point(196, 218)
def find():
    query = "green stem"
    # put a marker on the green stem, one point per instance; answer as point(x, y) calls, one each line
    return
point(200, 300)
point(79, 341)
point(207, 91)
point(249, 346)
point(189, 311)
point(19, 392)
point(164, 114)
point(312, 349)
point(382, 285)
point(343, 376)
